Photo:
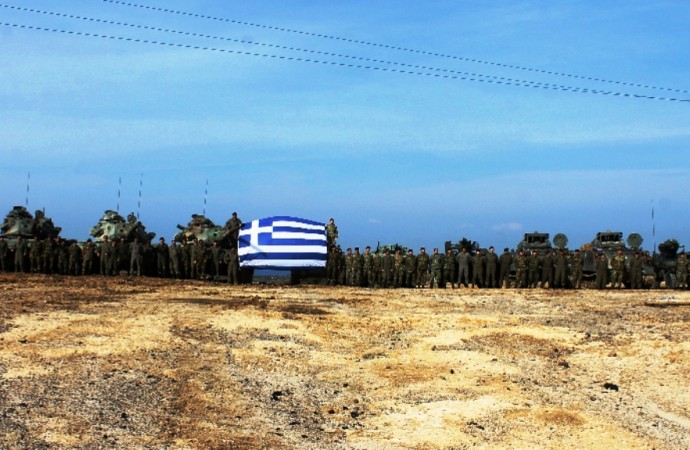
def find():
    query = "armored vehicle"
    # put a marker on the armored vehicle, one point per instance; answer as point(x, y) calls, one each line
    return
point(115, 227)
point(540, 243)
point(203, 229)
point(20, 222)
point(665, 262)
point(468, 245)
point(609, 242)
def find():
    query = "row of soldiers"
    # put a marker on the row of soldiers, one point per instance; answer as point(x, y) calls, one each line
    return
point(191, 259)
point(484, 269)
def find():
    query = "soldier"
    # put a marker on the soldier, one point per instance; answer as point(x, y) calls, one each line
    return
point(87, 258)
point(233, 261)
point(342, 264)
point(123, 253)
point(215, 259)
point(491, 266)
point(547, 270)
point(398, 269)
point(349, 267)
point(561, 281)
point(367, 267)
point(533, 269)
point(49, 255)
point(387, 269)
point(376, 275)
point(422, 268)
point(35, 255)
point(521, 270)
point(618, 269)
point(602, 272)
point(357, 267)
point(449, 269)
point(682, 271)
point(104, 254)
point(162, 257)
point(505, 260)
point(478, 269)
point(174, 256)
point(186, 257)
point(436, 269)
point(62, 256)
point(636, 271)
point(331, 233)
point(113, 258)
point(199, 259)
point(576, 264)
point(74, 261)
point(20, 252)
point(410, 269)
point(234, 224)
point(332, 266)
point(4, 249)
point(463, 260)
point(136, 258)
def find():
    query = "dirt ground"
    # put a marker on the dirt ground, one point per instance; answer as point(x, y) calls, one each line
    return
point(94, 362)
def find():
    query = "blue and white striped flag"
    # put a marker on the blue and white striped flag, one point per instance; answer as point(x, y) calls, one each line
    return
point(283, 242)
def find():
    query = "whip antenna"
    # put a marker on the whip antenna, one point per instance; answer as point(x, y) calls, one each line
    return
point(28, 181)
point(141, 183)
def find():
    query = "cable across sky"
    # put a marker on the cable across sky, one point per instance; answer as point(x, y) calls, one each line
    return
point(392, 47)
point(355, 66)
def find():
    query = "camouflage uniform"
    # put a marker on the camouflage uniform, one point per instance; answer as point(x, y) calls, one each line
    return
point(682, 272)
point(3, 254)
point(410, 263)
point(436, 269)
point(602, 272)
point(521, 270)
point(104, 250)
point(49, 256)
point(491, 262)
point(398, 269)
point(74, 264)
point(113, 258)
point(367, 267)
point(449, 269)
point(505, 260)
point(215, 258)
point(162, 258)
point(233, 261)
point(357, 267)
point(636, 271)
point(62, 257)
point(561, 280)
point(331, 233)
point(422, 268)
point(463, 260)
point(376, 274)
point(387, 269)
point(478, 269)
point(618, 269)
point(349, 268)
point(533, 270)
point(174, 256)
point(35, 255)
point(87, 258)
point(136, 258)
point(332, 266)
point(576, 264)
point(20, 252)
point(547, 270)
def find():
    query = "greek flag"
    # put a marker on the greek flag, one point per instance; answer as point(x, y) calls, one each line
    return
point(283, 242)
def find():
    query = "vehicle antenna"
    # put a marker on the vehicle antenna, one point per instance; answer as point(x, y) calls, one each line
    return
point(119, 188)
point(653, 231)
point(28, 181)
point(141, 183)
point(205, 196)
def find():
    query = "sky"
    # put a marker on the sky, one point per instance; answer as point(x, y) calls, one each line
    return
point(407, 122)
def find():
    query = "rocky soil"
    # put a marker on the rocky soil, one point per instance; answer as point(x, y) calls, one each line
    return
point(96, 362)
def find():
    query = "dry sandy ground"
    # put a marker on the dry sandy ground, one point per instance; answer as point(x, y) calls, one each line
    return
point(144, 363)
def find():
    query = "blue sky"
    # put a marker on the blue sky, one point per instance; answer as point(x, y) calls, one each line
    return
point(393, 157)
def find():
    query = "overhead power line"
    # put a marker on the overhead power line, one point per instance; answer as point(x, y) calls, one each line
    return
point(392, 47)
point(355, 66)
point(317, 52)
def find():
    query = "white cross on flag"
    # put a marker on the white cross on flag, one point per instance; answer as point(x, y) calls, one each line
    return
point(283, 242)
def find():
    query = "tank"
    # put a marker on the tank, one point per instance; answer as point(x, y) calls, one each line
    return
point(20, 222)
point(115, 227)
point(470, 246)
point(203, 229)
